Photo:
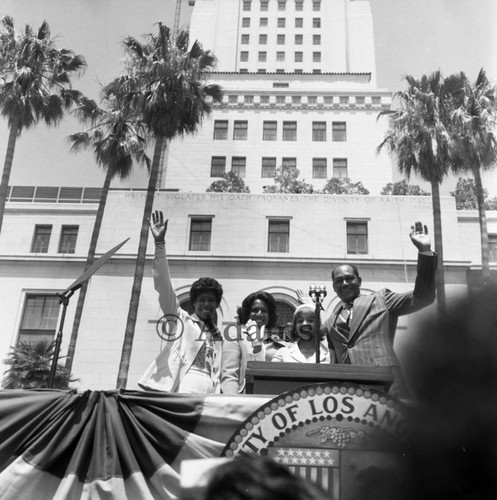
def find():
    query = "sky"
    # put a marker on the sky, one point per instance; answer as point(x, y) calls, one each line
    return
point(411, 37)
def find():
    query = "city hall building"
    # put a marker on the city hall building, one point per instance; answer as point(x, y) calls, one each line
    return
point(299, 83)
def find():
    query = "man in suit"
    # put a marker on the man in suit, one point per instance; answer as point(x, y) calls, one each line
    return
point(362, 327)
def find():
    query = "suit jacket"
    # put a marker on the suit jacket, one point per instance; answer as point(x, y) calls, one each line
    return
point(374, 319)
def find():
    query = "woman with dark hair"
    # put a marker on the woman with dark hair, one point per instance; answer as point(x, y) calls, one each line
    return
point(257, 315)
point(304, 348)
point(191, 359)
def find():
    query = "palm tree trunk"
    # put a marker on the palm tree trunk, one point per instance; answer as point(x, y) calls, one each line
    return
point(437, 227)
point(7, 167)
point(485, 265)
point(89, 261)
point(122, 376)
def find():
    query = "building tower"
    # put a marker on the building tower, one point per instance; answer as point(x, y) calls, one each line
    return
point(299, 80)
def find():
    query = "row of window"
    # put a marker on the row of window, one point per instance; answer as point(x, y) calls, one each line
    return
point(299, 39)
point(269, 164)
point(282, 5)
point(43, 233)
point(281, 22)
point(289, 130)
point(280, 57)
point(53, 194)
point(297, 99)
point(278, 236)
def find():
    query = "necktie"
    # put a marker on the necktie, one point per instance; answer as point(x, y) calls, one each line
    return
point(342, 323)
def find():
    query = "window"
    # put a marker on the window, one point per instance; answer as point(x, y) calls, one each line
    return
point(280, 56)
point(68, 237)
point(340, 169)
point(70, 195)
point(262, 39)
point(298, 71)
point(262, 56)
point(280, 39)
point(375, 100)
point(296, 99)
point(299, 5)
point(344, 99)
point(246, 22)
point(360, 99)
point(238, 164)
point(319, 131)
point(218, 166)
point(299, 39)
point(278, 236)
point(263, 22)
point(492, 248)
point(221, 128)
point(339, 132)
point(316, 39)
point(264, 5)
point(244, 55)
point(246, 5)
point(312, 99)
point(245, 39)
point(281, 85)
point(200, 234)
point(261, 70)
point(269, 131)
point(357, 237)
point(249, 99)
point(280, 70)
point(289, 131)
point(41, 239)
point(46, 193)
point(240, 130)
point(316, 6)
point(243, 70)
point(316, 71)
point(316, 56)
point(319, 168)
point(299, 22)
point(281, 22)
point(282, 5)
point(268, 167)
point(299, 56)
point(316, 22)
point(290, 163)
point(39, 318)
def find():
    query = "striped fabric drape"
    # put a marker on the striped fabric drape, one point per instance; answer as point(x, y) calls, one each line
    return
point(109, 444)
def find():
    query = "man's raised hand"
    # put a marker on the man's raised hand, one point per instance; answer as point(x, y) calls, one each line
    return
point(419, 237)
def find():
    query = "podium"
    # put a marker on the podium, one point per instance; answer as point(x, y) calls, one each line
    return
point(275, 378)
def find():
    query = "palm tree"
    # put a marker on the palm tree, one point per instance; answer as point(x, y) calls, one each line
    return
point(117, 138)
point(34, 85)
point(476, 144)
point(166, 84)
point(30, 365)
point(420, 137)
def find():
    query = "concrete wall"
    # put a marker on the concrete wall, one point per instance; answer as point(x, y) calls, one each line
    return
point(238, 259)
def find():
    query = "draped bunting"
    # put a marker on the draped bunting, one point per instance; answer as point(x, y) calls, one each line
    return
point(109, 444)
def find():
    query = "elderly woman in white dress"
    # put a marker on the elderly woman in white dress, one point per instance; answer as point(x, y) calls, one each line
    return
point(304, 349)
